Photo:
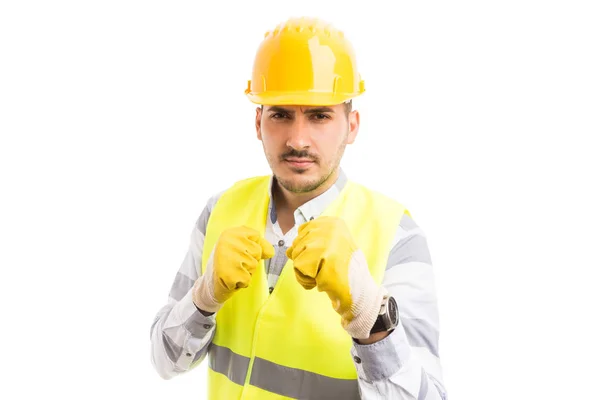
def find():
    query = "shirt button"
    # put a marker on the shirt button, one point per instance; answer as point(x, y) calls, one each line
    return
point(357, 360)
point(281, 243)
point(311, 218)
point(188, 354)
point(270, 290)
point(207, 326)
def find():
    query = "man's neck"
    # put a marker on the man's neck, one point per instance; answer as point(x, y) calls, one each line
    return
point(288, 202)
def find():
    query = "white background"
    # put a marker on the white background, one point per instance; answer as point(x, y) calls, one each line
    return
point(118, 119)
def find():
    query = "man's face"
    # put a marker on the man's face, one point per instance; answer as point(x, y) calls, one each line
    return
point(304, 144)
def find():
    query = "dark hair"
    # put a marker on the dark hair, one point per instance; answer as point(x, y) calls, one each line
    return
point(348, 107)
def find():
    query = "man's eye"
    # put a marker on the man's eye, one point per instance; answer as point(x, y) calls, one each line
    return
point(320, 116)
point(277, 116)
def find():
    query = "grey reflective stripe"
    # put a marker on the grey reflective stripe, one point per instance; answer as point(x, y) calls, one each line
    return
point(300, 384)
point(181, 285)
point(424, 385)
point(290, 382)
point(228, 363)
point(421, 334)
point(409, 249)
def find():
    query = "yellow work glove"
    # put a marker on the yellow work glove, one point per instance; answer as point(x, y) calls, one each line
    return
point(325, 255)
point(230, 266)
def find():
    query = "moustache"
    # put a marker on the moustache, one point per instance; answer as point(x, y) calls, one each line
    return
point(299, 154)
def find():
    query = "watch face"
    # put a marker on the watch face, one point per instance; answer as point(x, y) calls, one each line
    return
point(393, 311)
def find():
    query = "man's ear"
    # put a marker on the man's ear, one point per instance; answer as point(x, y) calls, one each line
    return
point(353, 125)
point(257, 123)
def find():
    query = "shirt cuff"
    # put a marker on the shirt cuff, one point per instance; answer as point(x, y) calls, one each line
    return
point(382, 359)
point(197, 324)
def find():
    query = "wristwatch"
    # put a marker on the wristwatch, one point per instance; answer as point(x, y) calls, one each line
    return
point(387, 319)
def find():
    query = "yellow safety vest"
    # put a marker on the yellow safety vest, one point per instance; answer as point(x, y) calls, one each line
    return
point(290, 344)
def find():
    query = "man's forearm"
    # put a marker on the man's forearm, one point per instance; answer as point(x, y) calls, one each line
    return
point(404, 364)
point(375, 337)
point(391, 368)
point(180, 337)
point(205, 313)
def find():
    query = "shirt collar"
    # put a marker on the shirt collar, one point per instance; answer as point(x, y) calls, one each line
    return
point(313, 208)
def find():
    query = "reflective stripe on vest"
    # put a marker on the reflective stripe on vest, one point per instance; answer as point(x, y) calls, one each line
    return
point(289, 382)
point(290, 344)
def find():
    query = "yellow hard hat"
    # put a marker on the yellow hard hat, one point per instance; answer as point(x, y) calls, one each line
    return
point(304, 61)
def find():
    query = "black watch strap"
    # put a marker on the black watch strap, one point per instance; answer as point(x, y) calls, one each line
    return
point(379, 325)
point(388, 316)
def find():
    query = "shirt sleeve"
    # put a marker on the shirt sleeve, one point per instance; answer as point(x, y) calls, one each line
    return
point(180, 334)
point(405, 365)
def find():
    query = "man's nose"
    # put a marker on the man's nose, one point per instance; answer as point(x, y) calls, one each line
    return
point(299, 135)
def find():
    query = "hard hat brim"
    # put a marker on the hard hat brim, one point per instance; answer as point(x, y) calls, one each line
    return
point(300, 98)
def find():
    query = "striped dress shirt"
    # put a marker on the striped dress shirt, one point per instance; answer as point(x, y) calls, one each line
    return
point(404, 365)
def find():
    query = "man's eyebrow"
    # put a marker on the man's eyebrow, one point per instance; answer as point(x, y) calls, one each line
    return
point(319, 110)
point(313, 110)
point(277, 109)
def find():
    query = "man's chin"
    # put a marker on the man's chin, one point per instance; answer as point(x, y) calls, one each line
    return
point(299, 183)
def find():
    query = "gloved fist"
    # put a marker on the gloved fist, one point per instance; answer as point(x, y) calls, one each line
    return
point(230, 266)
point(325, 255)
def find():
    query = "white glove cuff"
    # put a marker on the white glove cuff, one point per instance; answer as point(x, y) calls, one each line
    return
point(367, 297)
point(203, 290)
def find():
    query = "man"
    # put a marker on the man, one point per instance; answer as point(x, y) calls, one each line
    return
point(304, 284)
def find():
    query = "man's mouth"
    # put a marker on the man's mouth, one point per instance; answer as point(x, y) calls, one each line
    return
point(298, 162)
